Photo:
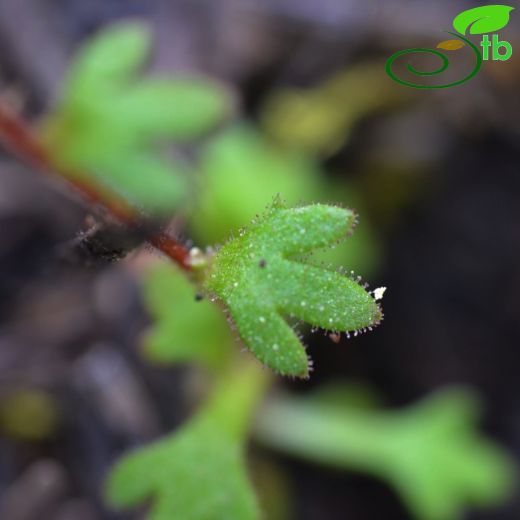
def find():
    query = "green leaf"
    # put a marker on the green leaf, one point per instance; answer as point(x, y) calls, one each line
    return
point(261, 284)
point(183, 108)
point(109, 122)
point(199, 472)
point(484, 19)
point(140, 178)
point(108, 60)
point(184, 329)
point(321, 118)
point(430, 453)
point(241, 169)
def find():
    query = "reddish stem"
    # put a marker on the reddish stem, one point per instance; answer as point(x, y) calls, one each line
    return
point(19, 139)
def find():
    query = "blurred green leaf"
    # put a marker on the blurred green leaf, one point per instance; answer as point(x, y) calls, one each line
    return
point(108, 123)
point(184, 330)
point(257, 278)
point(240, 170)
point(430, 452)
point(181, 109)
point(29, 414)
point(353, 394)
point(320, 119)
point(199, 472)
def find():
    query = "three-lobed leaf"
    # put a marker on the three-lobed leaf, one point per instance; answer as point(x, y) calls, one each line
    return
point(262, 279)
point(199, 472)
point(240, 170)
point(109, 121)
point(430, 452)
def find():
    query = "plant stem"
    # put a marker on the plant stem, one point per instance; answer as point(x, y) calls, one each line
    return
point(18, 138)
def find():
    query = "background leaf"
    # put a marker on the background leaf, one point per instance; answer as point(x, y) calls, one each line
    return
point(199, 472)
point(108, 123)
point(240, 170)
point(430, 452)
point(184, 330)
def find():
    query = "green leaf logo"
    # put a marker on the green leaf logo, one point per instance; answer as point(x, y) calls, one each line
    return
point(263, 279)
point(481, 20)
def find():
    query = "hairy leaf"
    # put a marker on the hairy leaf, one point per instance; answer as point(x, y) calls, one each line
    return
point(241, 169)
point(108, 123)
point(483, 19)
point(430, 452)
point(259, 280)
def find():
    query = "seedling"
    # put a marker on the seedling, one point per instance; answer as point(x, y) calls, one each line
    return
point(102, 140)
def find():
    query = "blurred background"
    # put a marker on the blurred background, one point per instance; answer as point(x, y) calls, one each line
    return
point(434, 176)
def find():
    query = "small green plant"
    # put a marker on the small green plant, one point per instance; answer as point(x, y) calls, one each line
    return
point(199, 471)
point(103, 140)
point(109, 123)
point(429, 452)
point(257, 277)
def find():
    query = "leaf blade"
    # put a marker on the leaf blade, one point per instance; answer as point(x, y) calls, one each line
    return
point(256, 277)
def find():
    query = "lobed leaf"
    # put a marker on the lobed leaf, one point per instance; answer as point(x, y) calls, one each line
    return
point(108, 123)
point(240, 170)
point(430, 452)
point(199, 472)
point(261, 282)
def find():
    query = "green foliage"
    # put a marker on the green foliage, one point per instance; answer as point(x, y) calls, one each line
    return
point(240, 170)
point(320, 119)
point(429, 452)
point(107, 131)
point(199, 472)
point(184, 329)
point(256, 276)
point(483, 19)
point(109, 122)
point(28, 414)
